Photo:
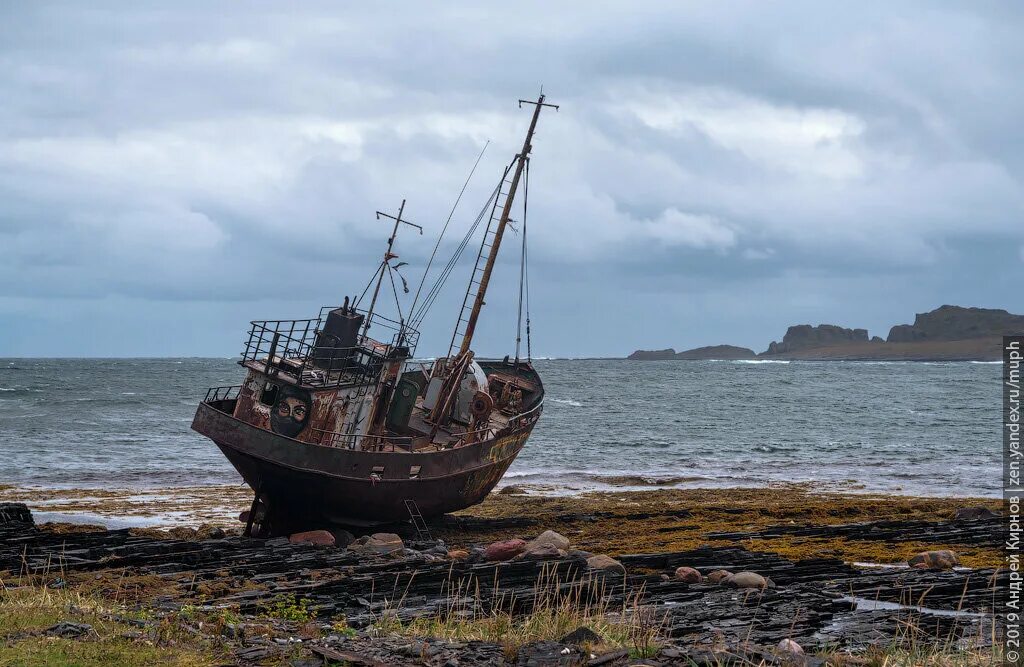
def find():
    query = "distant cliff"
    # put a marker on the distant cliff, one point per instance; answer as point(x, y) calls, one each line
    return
point(696, 354)
point(957, 323)
point(948, 333)
point(804, 336)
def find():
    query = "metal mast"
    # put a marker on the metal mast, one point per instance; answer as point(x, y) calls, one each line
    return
point(478, 302)
point(388, 256)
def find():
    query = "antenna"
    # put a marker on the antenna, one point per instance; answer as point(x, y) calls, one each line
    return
point(388, 256)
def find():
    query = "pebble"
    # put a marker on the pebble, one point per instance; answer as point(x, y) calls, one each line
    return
point(557, 540)
point(320, 538)
point(541, 552)
point(504, 550)
point(790, 646)
point(718, 576)
point(942, 559)
point(689, 575)
point(605, 564)
point(747, 580)
point(380, 543)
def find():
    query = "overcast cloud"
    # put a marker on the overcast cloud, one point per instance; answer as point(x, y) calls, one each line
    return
point(717, 172)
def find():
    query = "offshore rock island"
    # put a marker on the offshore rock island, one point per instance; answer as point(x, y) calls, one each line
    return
point(948, 333)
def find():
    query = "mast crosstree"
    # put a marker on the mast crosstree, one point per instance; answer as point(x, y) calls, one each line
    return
point(388, 256)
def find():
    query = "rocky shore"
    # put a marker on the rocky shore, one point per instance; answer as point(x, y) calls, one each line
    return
point(771, 576)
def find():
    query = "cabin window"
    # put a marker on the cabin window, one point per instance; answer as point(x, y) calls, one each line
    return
point(269, 394)
point(414, 472)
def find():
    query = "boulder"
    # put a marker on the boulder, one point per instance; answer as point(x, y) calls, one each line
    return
point(942, 559)
point(320, 538)
point(718, 576)
point(378, 543)
point(541, 552)
point(458, 554)
point(790, 646)
point(385, 543)
point(550, 537)
point(342, 538)
point(689, 575)
point(505, 550)
point(747, 580)
point(605, 564)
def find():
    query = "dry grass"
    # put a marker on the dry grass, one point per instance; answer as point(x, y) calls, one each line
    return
point(557, 608)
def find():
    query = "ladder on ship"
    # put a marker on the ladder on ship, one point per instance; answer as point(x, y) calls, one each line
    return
point(481, 262)
point(417, 520)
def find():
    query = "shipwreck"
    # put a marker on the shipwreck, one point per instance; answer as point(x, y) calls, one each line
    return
point(336, 422)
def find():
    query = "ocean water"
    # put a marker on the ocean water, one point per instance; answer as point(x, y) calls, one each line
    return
point(902, 427)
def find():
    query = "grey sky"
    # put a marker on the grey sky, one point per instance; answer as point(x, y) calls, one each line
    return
point(717, 172)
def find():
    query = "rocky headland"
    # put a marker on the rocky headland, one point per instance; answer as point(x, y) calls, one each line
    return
point(948, 333)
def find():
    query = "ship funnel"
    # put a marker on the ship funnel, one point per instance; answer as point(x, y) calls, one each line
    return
point(337, 341)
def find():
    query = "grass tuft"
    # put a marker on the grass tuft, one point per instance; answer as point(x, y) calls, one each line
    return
point(557, 608)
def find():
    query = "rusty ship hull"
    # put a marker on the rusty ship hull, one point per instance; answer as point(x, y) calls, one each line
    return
point(306, 485)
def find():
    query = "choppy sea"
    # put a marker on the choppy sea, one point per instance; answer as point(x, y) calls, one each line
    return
point(901, 427)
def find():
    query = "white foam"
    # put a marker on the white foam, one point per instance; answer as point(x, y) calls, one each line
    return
point(567, 401)
point(760, 361)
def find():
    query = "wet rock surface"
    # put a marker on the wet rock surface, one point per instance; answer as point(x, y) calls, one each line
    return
point(814, 602)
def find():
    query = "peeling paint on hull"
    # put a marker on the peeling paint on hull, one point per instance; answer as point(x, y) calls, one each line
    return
point(308, 485)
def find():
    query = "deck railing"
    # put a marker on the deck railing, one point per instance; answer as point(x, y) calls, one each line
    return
point(229, 393)
point(291, 347)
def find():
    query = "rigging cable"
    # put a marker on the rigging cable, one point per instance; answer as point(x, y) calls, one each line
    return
point(367, 288)
point(526, 264)
point(426, 271)
point(524, 275)
point(428, 301)
point(398, 303)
